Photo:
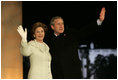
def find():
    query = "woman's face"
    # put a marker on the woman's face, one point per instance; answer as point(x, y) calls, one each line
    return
point(39, 34)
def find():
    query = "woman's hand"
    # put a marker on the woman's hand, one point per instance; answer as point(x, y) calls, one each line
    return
point(22, 33)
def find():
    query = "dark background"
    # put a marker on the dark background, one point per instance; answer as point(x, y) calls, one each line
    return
point(76, 14)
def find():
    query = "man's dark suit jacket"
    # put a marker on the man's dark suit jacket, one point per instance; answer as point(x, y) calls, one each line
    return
point(64, 51)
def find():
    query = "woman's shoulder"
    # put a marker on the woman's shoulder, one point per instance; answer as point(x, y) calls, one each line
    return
point(45, 44)
point(32, 42)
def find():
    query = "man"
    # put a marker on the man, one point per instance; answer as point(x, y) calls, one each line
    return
point(64, 48)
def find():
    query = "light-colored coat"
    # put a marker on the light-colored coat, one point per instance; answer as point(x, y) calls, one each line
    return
point(40, 59)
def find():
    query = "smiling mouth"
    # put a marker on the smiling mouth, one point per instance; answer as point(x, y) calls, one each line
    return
point(60, 29)
point(40, 36)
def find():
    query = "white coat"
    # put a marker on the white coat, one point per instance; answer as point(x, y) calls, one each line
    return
point(40, 59)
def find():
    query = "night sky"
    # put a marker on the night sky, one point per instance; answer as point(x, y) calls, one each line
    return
point(76, 14)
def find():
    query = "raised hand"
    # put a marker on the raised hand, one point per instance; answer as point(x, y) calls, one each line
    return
point(22, 33)
point(102, 14)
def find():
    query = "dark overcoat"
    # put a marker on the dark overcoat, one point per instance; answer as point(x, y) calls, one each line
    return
point(64, 51)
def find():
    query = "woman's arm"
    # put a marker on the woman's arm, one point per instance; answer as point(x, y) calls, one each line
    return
point(25, 47)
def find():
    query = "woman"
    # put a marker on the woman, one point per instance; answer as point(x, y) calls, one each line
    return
point(38, 51)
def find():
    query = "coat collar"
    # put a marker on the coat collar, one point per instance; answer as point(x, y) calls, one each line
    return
point(37, 45)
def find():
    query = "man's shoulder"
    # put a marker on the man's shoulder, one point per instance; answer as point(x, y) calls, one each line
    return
point(49, 35)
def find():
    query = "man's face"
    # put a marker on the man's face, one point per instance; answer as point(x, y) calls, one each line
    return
point(58, 26)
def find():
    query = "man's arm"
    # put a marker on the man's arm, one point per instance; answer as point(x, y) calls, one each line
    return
point(91, 28)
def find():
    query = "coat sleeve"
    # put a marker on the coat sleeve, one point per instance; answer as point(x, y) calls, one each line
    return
point(25, 49)
point(85, 31)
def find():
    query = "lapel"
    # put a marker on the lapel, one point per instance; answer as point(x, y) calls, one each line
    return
point(37, 45)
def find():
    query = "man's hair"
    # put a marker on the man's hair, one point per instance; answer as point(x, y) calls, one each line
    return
point(53, 19)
